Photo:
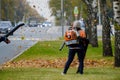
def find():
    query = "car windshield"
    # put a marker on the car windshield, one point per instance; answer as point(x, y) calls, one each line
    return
point(4, 25)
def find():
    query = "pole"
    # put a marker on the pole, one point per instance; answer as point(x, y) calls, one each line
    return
point(62, 17)
point(81, 10)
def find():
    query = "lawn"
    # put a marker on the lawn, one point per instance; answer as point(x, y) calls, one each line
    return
point(106, 73)
point(44, 61)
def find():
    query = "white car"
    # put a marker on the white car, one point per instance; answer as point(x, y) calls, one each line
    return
point(47, 24)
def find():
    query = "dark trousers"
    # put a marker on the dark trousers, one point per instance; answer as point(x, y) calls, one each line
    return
point(71, 54)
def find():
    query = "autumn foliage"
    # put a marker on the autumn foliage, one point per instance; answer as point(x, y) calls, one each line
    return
point(56, 63)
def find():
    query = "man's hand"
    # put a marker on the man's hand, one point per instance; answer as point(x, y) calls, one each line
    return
point(5, 39)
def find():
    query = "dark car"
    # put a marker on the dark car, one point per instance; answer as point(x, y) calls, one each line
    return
point(5, 27)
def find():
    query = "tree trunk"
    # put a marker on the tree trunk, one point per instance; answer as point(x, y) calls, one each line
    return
point(116, 9)
point(106, 38)
point(91, 23)
point(117, 48)
point(94, 41)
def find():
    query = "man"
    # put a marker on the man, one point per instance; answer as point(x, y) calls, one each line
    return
point(76, 48)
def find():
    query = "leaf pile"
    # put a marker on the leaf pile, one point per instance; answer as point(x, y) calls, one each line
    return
point(56, 63)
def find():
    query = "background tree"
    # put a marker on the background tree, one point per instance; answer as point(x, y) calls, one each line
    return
point(6, 9)
point(69, 5)
point(17, 10)
point(92, 21)
point(55, 6)
point(106, 38)
point(116, 8)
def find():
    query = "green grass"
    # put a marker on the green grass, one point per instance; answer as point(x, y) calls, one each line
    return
point(50, 50)
point(44, 50)
point(55, 74)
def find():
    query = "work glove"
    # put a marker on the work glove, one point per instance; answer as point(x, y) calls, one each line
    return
point(5, 39)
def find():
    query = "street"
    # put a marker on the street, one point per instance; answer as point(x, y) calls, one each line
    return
point(14, 49)
point(24, 38)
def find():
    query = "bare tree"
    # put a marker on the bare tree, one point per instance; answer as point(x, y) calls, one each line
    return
point(92, 22)
point(106, 38)
point(116, 9)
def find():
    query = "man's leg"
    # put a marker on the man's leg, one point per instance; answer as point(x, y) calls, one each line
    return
point(71, 55)
point(81, 61)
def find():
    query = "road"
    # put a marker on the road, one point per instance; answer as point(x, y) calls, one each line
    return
point(10, 51)
point(24, 38)
point(37, 33)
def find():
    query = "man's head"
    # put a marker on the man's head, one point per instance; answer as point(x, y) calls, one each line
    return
point(76, 25)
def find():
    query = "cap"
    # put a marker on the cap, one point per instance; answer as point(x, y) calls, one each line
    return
point(76, 25)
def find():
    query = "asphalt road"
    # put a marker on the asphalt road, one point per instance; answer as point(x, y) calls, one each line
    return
point(10, 51)
point(37, 33)
point(24, 38)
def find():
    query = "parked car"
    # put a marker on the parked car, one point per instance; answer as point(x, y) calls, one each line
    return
point(46, 24)
point(5, 27)
point(33, 23)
